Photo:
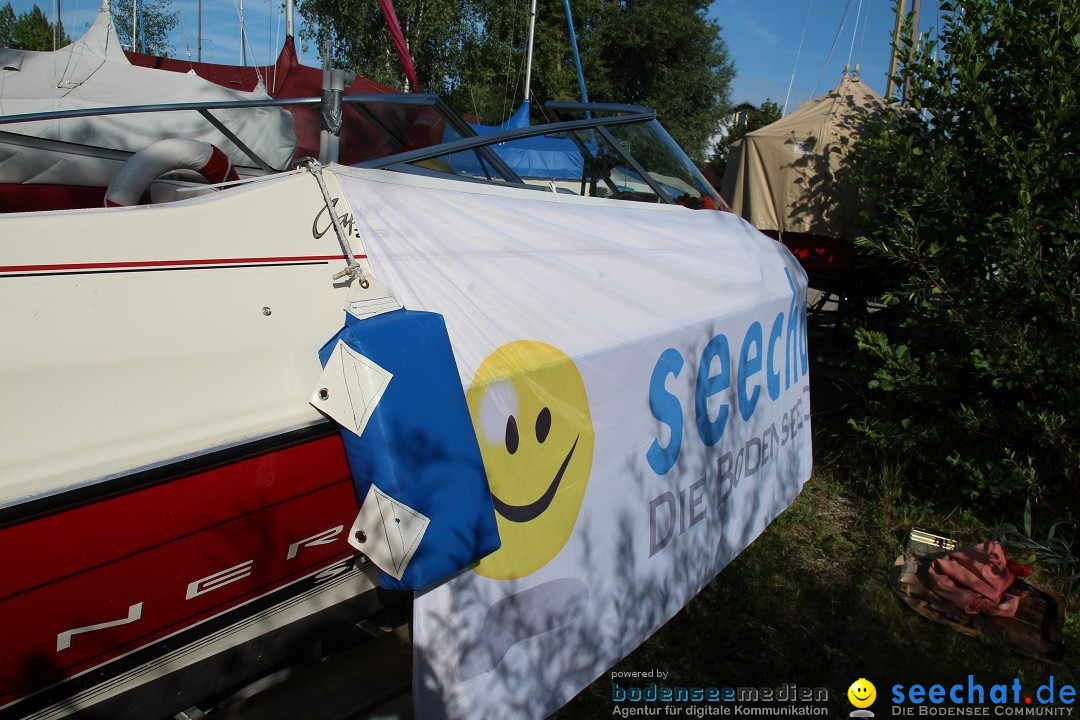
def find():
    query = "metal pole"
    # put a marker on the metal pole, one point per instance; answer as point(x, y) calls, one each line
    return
point(288, 18)
point(339, 79)
point(134, 14)
point(528, 60)
point(901, 7)
point(199, 56)
point(242, 33)
point(142, 29)
point(577, 58)
point(325, 106)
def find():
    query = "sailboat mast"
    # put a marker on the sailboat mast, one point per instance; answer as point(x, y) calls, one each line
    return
point(199, 55)
point(528, 60)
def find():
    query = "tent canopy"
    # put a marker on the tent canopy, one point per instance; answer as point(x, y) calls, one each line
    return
point(782, 177)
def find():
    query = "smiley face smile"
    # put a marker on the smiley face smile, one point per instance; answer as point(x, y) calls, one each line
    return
point(525, 513)
point(862, 693)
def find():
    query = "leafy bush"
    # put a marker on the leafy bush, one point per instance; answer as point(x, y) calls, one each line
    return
point(1054, 550)
point(975, 193)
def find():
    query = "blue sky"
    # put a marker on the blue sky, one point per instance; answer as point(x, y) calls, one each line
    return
point(264, 22)
point(763, 37)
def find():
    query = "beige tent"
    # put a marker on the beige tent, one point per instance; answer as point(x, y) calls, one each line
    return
point(783, 176)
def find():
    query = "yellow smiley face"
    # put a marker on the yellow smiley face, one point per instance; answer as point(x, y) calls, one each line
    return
point(862, 693)
point(532, 421)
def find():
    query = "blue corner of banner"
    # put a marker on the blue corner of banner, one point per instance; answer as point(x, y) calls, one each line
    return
point(418, 448)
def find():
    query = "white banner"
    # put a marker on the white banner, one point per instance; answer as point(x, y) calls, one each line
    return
point(637, 379)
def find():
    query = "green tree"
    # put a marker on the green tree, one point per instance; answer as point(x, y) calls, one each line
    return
point(667, 55)
point(664, 54)
point(7, 26)
point(33, 31)
point(493, 79)
point(158, 22)
point(438, 33)
point(767, 114)
point(975, 194)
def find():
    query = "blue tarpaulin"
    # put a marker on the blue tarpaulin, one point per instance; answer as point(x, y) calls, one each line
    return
point(535, 157)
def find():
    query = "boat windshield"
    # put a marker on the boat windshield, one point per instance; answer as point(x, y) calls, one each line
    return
point(606, 151)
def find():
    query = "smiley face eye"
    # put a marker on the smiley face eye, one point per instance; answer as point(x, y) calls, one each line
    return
point(511, 435)
point(543, 424)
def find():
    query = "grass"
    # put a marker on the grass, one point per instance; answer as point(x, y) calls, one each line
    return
point(809, 602)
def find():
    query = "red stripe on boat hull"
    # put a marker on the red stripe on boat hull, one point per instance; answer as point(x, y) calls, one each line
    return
point(168, 263)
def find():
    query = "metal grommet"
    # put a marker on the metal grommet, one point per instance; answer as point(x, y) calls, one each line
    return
point(364, 283)
point(323, 393)
point(266, 311)
point(361, 537)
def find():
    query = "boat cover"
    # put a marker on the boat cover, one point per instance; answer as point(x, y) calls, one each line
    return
point(536, 157)
point(637, 380)
point(426, 510)
point(782, 177)
point(94, 72)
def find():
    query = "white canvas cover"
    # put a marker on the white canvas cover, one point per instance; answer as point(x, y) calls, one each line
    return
point(94, 72)
point(782, 176)
point(637, 380)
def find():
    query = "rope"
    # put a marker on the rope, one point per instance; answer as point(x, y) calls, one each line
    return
point(183, 32)
point(353, 271)
point(791, 82)
point(840, 29)
point(854, 32)
point(277, 46)
point(509, 65)
point(862, 40)
point(245, 41)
